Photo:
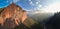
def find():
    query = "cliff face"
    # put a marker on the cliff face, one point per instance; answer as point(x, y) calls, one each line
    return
point(12, 15)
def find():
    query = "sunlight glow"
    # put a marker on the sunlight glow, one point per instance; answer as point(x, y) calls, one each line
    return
point(52, 8)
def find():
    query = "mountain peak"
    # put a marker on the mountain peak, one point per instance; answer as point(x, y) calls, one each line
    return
point(12, 14)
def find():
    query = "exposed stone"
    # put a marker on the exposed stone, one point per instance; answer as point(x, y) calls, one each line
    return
point(12, 15)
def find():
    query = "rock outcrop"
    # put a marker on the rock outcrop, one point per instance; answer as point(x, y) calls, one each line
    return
point(12, 16)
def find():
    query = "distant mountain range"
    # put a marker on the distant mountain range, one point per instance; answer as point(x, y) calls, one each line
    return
point(39, 15)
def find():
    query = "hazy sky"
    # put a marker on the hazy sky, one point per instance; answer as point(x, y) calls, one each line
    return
point(28, 4)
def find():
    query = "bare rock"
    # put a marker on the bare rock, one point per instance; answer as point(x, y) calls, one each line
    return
point(12, 15)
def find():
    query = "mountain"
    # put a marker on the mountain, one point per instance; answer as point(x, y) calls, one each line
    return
point(13, 16)
point(39, 15)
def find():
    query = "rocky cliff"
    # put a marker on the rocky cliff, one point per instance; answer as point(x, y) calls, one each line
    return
point(11, 16)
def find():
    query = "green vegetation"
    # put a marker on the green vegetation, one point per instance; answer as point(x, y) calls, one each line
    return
point(30, 23)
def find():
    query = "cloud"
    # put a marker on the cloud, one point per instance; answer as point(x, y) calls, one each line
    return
point(37, 2)
point(31, 2)
point(39, 5)
point(7, 1)
point(15, 1)
point(53, 8)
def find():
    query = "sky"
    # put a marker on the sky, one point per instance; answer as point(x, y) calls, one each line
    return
point(32, 4)
point(26, 4)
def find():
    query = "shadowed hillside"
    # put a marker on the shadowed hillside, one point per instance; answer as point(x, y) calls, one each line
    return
point(53, 22)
